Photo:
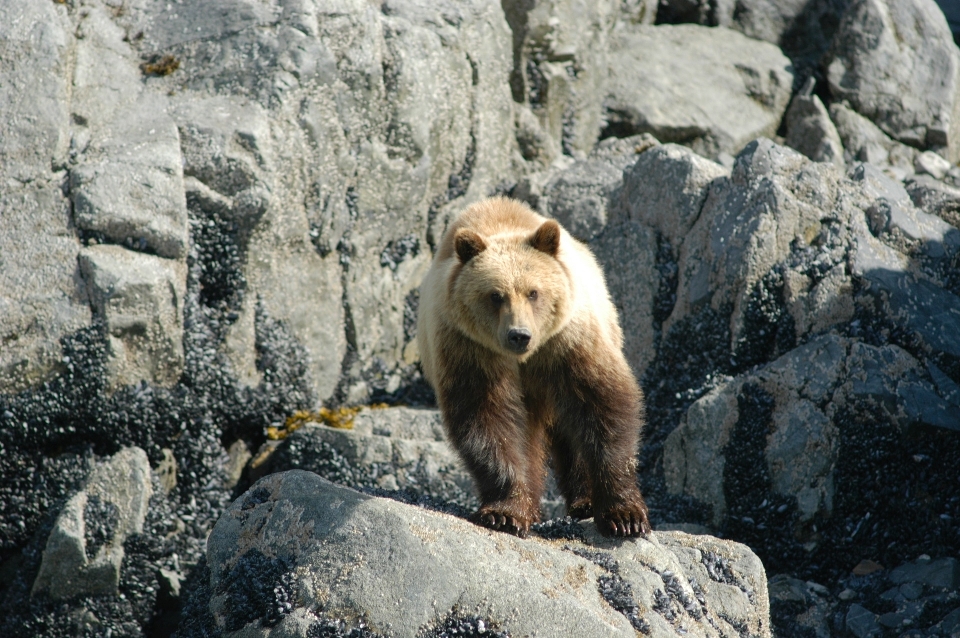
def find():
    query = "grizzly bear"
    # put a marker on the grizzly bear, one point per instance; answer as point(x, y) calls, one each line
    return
point(521, 342)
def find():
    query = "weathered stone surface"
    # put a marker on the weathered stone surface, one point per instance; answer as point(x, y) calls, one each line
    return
point(802, 447)
point(559, 65)
point(934, 197)
point(140, 300)
point(661, 77)
point(582, 196)
point(810, 130)
point(84, 551)
point(864, 141)
point(301, 534)
point(774, 199)
point(127, 186)
point(896, 63)
point(627, 253)
point(943, 572)
point(666, 188)
point(932, 164)
point(39, 300)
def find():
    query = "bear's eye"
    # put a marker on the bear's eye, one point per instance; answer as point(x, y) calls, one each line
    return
point(532, 296)
point(496, 298)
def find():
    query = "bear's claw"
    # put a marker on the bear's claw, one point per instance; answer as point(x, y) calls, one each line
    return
point(624, 520)
point(503, 522)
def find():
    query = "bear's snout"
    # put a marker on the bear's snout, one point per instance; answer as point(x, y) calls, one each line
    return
point(518, 340)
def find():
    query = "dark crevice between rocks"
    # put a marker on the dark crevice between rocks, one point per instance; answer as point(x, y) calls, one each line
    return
point(692, 358)
point(768, 328)
point(94, 237)
point(218, 255)
point(617, 592)
point(568, 129)
point(666, 297)
point(398, 250)
point(536, 83)
point(516, 12)
point(459, 182)
point(345, 251)
point(755, 515)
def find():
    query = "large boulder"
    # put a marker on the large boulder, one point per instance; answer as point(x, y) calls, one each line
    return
point(810, 130)
point(711, 89)
point(751, 222)
point(896, 63)
point(301, 556)
point(803, 400)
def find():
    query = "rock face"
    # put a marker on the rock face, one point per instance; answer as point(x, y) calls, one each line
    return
point(897, 64)
point(214, 214)
point(39, 299)
point(662, 77)
point(320, 552)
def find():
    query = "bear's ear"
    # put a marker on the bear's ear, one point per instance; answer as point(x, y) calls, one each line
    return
point(468, 244)
point(547, 238)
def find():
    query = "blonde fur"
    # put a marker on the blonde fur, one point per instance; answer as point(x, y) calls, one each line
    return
point(505, 224)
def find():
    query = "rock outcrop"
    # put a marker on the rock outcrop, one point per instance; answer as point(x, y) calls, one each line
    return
point(216, 215)
point(297, 554)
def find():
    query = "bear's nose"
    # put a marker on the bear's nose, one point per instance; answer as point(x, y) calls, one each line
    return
point(519, 339)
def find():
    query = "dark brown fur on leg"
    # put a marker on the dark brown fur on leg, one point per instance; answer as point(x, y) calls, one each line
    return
point(573, 477)
point(486, 420)
point(599, 407)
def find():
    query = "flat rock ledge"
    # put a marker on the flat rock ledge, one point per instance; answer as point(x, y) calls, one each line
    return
point(300, 556)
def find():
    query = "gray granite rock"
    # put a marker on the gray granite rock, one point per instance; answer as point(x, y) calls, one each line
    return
point(661, 77)
point(560, 53)
point(337, 555)
point(740, 234)
point(84, 552)
point(896, 63)
point(943, 572)
point(391, 448)
point(139, 298)
point(935, 197)
point(39, 299)
point(127, 185)
point(666, 188)
point(583, 196)
point(813, 390)
point(810, 130)
point(627, 253)
point(864, 141)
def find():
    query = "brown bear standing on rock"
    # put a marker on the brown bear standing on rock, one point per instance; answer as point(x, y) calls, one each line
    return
point(519, 338)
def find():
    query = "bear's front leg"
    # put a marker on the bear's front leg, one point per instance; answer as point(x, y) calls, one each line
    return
point(484, 415)
point(599, 410)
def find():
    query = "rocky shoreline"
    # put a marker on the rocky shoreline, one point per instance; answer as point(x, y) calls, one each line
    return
point(216, 216)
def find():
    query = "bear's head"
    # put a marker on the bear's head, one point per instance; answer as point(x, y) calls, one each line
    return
point(512, 293)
